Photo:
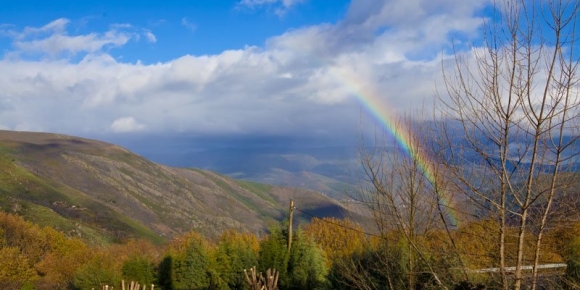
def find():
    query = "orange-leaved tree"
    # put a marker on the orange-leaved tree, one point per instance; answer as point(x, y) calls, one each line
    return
point(338, 238)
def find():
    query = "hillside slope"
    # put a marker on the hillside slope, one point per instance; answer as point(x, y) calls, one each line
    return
point(105, 193)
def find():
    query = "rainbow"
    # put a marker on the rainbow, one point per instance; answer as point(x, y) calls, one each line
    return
point(371, 101)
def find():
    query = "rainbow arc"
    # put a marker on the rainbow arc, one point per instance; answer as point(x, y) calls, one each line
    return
point(371, 101)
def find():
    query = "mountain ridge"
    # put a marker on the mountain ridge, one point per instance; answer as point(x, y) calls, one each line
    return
point(106, 193)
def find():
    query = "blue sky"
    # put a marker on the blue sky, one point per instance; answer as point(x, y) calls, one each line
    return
point(195, 27)
point(220, 68)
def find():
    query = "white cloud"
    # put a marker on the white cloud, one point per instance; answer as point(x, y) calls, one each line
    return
point(295, 84)
point(59, 43)
point(126, 124)
point(409, 14)
point(285, 3)
point(56, 26)
point(150, 36)
point(54, 40)
point(281, 6)
point(190, 26)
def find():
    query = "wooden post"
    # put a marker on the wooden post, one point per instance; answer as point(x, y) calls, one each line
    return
point(270, 282)
point(290, 225)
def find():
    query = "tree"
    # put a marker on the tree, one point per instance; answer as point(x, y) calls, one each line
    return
point(139, 258)
point(191, 266)
point(477, 243)
point(511, 111)
point(235, 252)
point(339, 239)
point(139, 269)
point(165, 273)
point(51, 257)
point(274, 254)
point(306, 266)
point(379, 267)
point(31, 239)
point(186, 263)
point(402, 191)
point(14, 268)
point(102, 269)
point(58, 266)
point(303, 268)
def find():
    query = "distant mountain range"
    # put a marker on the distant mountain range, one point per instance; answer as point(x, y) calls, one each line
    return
point(105, 193)
point(316, 165)
point(330, 166)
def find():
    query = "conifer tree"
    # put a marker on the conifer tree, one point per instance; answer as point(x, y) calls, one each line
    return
point(139, 269)
point(190, 270)
point(274, 255)
point(306, 266)
point(235, 253)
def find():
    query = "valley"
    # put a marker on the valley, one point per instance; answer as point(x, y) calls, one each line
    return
point(105, 193)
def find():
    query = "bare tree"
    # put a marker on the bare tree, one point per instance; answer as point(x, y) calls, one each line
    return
point(400, 188)
point(511, 113)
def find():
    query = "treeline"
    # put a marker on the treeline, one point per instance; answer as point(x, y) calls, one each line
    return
point(325, 254)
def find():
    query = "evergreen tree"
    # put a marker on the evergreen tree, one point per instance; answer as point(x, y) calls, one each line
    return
point(235, 253)
point(216, 282)
point(190, 270)
point(186, 265)
point(274, 255)
point(306, 266)
point(165, 273)
point(139, 269)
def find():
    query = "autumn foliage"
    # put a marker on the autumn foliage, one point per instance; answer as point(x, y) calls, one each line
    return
point(337, 238)
point(327, 253)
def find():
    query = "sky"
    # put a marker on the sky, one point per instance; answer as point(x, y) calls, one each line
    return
point(222, 68)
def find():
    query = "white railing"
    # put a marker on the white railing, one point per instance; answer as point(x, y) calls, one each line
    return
point(512, 269)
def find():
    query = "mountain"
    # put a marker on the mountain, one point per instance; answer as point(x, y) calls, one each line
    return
point(105, 193)
point(311, 164)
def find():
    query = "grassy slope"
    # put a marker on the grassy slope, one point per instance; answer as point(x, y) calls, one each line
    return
point(105, 193)
point(50, 203)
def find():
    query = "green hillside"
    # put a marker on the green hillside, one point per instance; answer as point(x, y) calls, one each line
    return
point(105, 193)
